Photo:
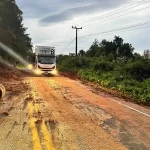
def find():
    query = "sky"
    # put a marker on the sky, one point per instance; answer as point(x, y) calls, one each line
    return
point(50, 22)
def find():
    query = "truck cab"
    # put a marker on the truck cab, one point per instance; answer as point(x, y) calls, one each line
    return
point(45, 60)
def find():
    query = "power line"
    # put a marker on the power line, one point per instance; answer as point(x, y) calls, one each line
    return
point(60, 44)
point(118, 29)
point(116, 11)
point(68, 32)
point(71, 35)
point(69, 43)
point(125, 30)
point(130, 29)
point(118, 16)
point(109, 15)
point(112, 30)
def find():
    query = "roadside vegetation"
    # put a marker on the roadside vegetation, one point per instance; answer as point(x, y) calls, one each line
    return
point(113, 65)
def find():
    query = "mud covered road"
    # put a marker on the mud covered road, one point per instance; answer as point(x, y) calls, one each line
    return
point(58, 113)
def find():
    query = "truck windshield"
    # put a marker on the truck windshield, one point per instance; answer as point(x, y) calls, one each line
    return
point(46, 60)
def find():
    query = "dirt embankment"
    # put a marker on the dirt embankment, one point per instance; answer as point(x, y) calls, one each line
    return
point(12, 78)
point(10, 73)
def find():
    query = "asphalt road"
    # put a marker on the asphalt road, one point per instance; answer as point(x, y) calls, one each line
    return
point(57, 113)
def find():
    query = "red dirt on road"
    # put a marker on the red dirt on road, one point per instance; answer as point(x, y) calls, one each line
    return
point(137, 124)
point(64, 114)
point(91, 115)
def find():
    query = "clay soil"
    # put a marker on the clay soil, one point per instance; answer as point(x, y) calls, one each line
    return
point(58, 113)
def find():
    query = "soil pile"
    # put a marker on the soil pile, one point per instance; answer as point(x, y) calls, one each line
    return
point(8, 73)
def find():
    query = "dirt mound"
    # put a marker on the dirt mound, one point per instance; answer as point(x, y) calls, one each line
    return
point(8, 72)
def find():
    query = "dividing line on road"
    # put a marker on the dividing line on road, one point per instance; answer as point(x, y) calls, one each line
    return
point(147, 115)
point(47, 137)
point(35, 136)
point(33, 108)
point(45, 132)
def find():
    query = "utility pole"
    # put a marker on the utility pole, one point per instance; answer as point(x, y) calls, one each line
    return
point(76, 38)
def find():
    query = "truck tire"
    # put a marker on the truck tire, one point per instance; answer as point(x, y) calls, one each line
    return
point(2, 91)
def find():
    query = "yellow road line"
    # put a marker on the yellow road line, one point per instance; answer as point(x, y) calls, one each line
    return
point(30, 109)
point(36, 108)
point(47, 137)
point(35, 136)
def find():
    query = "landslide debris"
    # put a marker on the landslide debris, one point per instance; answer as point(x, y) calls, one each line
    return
point(11, 77)
point(8, 72)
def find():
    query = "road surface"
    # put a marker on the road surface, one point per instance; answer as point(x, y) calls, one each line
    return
point(58, 113)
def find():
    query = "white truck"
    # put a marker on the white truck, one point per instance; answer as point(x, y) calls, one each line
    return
point(45, 60)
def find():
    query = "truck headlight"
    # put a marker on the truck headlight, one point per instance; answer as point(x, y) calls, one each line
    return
point(54, 72)
point(30, 66)
point(38, 72)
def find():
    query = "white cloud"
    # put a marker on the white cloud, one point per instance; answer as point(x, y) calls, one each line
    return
point(54, 34)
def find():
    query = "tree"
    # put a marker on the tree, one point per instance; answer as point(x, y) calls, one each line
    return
point(12, 30)
point(124, 50)
point(111, 49)
point(93, 49)
point(81, 53)
point(137, 56)
point(118, 41)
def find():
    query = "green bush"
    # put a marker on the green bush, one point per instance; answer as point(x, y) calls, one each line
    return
point(103, 66)
point(139, 70)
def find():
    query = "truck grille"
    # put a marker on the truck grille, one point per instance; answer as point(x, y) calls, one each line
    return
point(46, 68)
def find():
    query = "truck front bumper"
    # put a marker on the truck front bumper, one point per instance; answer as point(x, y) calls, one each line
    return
point(39, 72)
